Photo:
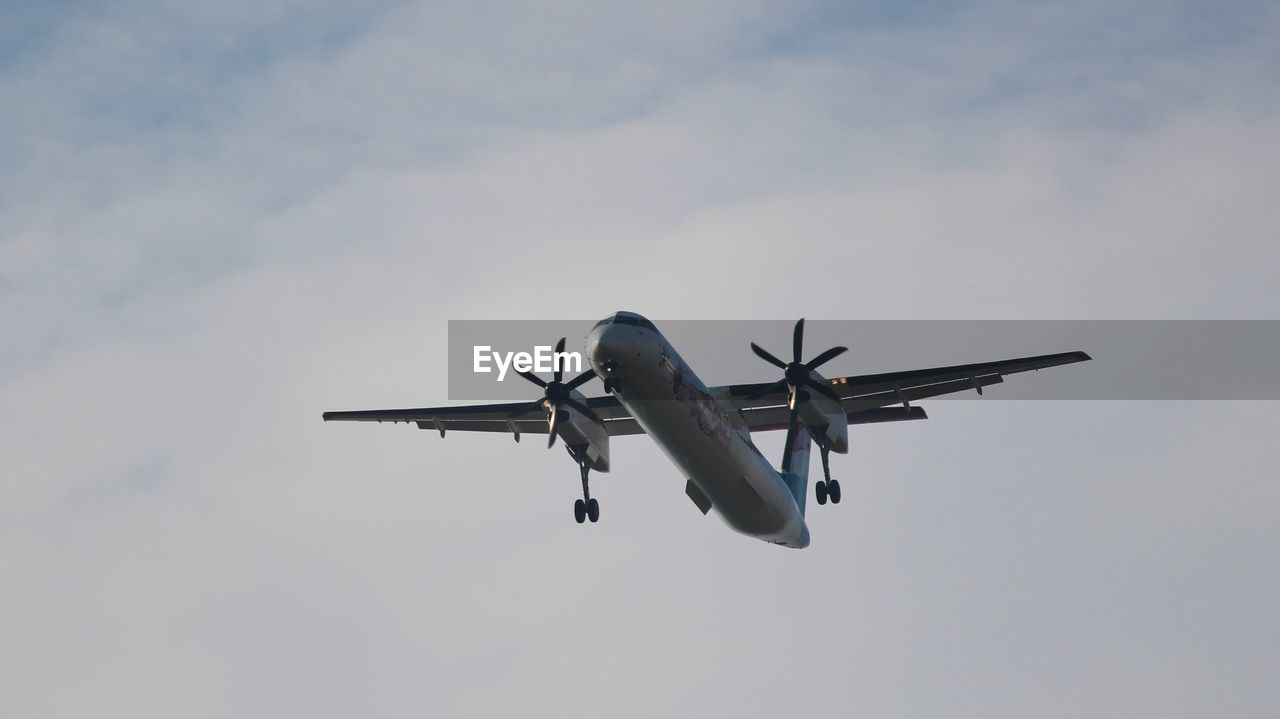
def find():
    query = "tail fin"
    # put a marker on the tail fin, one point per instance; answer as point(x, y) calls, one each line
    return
point(795, 463)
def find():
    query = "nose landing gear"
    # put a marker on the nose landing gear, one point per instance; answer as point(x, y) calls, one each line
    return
point(610, 379)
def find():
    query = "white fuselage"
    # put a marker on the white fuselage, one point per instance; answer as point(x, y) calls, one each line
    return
point(696, 432)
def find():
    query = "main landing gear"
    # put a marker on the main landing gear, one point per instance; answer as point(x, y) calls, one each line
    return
point(826, 487)
point(587, 507)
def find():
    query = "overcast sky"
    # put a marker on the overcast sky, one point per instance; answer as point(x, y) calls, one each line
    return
point(218, 220)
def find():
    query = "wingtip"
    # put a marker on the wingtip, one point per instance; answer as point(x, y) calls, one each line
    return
point(1084, 356)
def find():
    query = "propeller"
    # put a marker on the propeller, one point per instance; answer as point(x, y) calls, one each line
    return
point(797, 374)
point(558, 394)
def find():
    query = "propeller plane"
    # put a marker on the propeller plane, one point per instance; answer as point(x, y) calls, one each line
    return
point(706, 431)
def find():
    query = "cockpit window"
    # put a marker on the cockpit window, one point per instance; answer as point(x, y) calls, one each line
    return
point(624, 318)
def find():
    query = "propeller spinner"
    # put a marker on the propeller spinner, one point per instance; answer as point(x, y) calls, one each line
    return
point(558, 394)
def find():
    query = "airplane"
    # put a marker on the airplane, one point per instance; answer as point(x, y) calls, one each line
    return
point(706, 431)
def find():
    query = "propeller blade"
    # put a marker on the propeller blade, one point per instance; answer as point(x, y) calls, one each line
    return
point(764, 355)
point(769, 390)
point(797, 340)
point(533, 378)
point(551, 427)
point(821, 387)
point(585, 410)
point(559, 369)
point(825, 357)
point(580, 380)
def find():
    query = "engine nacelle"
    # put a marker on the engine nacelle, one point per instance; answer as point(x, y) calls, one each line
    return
point(828, 426)
point(587, 437)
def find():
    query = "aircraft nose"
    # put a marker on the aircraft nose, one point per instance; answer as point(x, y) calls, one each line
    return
point(604, 344)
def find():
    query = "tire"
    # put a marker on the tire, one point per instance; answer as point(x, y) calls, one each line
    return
point(593, 510)
point(580, 511)
point(820, 491)
point(833, 489)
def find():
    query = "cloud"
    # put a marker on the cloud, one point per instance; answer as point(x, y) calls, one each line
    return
point(220, 222)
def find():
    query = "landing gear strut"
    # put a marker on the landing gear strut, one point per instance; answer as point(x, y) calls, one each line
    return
point(587, 507)
point(826, 487)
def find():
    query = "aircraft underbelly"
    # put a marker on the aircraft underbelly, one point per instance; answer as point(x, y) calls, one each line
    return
point(743, 498)
point(674, 408)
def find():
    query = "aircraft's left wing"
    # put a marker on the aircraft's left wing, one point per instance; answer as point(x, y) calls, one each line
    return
point(868, 392)
point(516, 417)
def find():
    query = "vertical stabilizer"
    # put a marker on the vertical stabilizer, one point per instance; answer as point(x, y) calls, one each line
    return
point(795, 463)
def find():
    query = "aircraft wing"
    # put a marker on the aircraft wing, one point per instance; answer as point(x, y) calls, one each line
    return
point(866, 398)
point(867, 392)
point(524, 417)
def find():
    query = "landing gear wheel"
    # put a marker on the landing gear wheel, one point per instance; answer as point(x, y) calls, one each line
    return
point(593, 510)
point(580, 511)
point(820, 491)
point(833, 488)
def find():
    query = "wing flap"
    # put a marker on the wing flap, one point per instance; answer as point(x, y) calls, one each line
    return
point(910, 394)
point(774, 418)
point(615, 427)
point(606, 408)
point(487, 412)
point(482, 425)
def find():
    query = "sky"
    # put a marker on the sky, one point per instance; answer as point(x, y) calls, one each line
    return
point(219, 220)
